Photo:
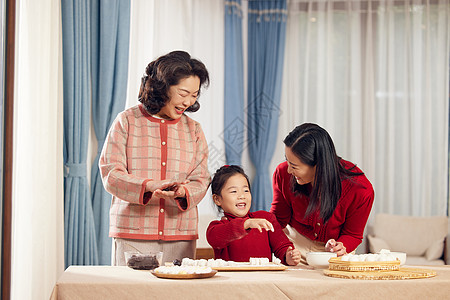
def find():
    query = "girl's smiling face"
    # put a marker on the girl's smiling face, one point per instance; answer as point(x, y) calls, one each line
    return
point(181, 96)
point(303, 173)
point(235, 197)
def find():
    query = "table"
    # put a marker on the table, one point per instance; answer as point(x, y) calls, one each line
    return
point(107, 282)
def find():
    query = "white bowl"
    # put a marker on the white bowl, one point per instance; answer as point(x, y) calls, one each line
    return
point(401, 256)
point(319, 259)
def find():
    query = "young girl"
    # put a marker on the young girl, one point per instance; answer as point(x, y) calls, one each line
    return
point(242, 234)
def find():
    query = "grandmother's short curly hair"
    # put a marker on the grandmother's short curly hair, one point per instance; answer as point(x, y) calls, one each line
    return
point(165, 72)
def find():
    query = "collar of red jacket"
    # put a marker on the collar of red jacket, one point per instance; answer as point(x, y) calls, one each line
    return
point(230, 216)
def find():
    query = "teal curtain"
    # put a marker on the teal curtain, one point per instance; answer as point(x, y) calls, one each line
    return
point(79, 233)
point(110, 24)
point(266, 43)
point(234, 83)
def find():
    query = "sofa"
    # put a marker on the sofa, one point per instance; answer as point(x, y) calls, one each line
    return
point(425, 240)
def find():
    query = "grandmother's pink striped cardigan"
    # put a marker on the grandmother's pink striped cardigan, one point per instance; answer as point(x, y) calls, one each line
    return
point(140, 148)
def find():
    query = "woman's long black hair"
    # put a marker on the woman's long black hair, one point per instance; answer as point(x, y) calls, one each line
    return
point(314, 147)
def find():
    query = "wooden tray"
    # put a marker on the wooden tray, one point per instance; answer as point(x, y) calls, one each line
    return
point(337, 264)
point(402, 273)
point(248, 267)
point(184, 276)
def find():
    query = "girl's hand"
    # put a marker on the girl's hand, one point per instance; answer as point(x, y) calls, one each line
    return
point(293, 256)
point(259, 224)
point(335, 247)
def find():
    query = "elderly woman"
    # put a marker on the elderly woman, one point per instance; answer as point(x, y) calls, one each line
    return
point(154, 163)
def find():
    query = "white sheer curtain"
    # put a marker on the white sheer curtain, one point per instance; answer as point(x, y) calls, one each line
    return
point(37, 221)
point(375, 75)
point(196, 26)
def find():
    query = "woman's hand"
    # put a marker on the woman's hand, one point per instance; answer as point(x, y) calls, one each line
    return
point(166, 184)
point(293, 256)
point(335, 247)
point(168, 189)
point(170, 194)
point(259, 224)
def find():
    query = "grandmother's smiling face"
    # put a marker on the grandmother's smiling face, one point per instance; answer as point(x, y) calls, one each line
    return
point(181, 96)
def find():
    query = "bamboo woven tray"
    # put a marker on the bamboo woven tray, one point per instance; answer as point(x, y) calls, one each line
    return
point(337, 264)
point(402, 273)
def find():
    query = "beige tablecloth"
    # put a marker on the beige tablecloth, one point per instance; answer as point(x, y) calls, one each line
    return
point(105, 282)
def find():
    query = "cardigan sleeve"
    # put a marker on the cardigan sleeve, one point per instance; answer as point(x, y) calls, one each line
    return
point(279, 243)
point(281, 206)
point(113, 166)
point(356, 219)
point(220, 233)
point(199, 178)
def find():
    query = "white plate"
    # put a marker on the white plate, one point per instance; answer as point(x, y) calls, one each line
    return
point(184, 276)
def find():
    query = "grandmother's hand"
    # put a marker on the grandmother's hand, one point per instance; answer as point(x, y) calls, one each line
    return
point(168, 189)
point(166, 185)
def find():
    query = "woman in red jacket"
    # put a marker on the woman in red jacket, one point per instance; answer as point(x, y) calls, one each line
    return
point(322, 201)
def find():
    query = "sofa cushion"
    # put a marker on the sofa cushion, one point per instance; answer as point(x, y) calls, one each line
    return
point(413, 235)
point(376, 244)
point(422, 261)
point(435, 250)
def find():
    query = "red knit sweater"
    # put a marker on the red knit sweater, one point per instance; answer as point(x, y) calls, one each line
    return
point(347, 223)
point(231, 241)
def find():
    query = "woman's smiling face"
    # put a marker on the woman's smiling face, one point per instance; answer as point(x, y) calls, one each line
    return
point(181, 96)
point(303, 173)
point(235, 197)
